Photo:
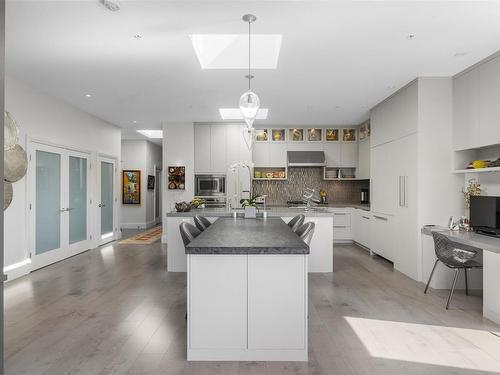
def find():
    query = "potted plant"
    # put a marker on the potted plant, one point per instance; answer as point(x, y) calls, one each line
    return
point(250, 206)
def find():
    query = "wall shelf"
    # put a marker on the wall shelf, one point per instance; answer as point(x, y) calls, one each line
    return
point(478, 170)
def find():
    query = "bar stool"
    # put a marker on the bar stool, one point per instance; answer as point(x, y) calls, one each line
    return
point(456, 256)
point(296, 222)
point(188, 232)
point(306, 231)
point(201, 222)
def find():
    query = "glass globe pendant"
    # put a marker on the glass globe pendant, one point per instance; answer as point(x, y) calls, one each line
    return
point(249, 106)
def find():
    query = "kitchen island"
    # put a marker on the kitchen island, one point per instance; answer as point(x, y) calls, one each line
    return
point(247, 292)
point(321, 248)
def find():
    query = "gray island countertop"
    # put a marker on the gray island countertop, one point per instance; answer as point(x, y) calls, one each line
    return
point(248, 236)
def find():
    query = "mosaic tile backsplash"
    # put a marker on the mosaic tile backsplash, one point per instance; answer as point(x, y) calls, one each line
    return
point(278, 192)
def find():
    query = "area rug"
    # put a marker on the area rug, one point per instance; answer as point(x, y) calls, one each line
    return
point(144, 238)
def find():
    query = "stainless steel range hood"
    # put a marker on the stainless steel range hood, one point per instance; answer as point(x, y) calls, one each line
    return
point(306, 158)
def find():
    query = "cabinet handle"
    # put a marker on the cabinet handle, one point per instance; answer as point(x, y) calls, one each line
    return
point(365, 217)
point(406, 191)
point(380, 217)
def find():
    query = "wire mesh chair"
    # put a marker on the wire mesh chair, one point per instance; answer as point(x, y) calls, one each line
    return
point(296, 222)
point(188, 232)
point(306, 231)
point(456, 256)
point(201, 222)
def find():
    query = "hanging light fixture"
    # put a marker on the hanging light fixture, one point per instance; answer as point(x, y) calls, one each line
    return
point(249, 101)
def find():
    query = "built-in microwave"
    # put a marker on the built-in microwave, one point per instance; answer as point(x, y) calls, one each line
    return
point(210, 185)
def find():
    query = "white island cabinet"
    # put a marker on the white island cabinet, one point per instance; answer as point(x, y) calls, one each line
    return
point(247, 292)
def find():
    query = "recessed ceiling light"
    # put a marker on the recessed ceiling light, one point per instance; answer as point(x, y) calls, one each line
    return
point(391, 87)
point(88, 95)
point(410, 36)
point(230, 51)
point(235, 114)
point(156, 134)
point(135, 122)
point(137, 36)
point(111, 5)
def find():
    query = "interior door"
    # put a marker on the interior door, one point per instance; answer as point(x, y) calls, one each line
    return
point(106, 201)
point(158, 196)
point(60, 204)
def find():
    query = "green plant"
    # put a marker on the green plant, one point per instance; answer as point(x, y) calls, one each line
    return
point(252, 202)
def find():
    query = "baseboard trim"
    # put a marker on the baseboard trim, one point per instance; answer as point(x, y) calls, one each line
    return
point(164, 238)
point(138, 226)
point(24, 268)
point(491, 315)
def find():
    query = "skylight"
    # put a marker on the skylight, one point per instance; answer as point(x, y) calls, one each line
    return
point(151, 133)
point(235, 114)
point(230, 51)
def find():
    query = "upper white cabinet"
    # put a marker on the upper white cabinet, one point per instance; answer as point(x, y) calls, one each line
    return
point(466, 110)
point(218, 146)
point(218, 142)
point(363, 170)
point(332, 154)
point(277, 154)
point(476, 109)
point(202, 148)
point(396, 117)
point(489, 103)
point(349, 154)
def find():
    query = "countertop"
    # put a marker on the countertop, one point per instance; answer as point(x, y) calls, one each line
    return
point(248, 236)
point(480, 241)
point(272, 211)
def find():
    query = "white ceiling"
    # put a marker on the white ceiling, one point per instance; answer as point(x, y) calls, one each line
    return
point(337, 59)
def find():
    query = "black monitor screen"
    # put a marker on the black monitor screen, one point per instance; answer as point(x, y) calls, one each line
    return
point(485, 212)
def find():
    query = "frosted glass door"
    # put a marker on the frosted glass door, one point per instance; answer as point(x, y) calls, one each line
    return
point(77, 203)
point(106, 204)
point(48, 202)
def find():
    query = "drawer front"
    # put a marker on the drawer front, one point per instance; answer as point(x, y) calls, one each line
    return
point(342, 234)
point(341, 219)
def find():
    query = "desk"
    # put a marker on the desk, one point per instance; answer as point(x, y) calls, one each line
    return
point(491, 265)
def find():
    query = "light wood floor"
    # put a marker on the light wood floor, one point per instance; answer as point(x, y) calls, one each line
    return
point(114, 310)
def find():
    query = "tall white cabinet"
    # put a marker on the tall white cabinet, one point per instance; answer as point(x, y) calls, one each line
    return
point(409, 132)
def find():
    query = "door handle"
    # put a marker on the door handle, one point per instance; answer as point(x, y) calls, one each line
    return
point(380, 217)
point(102, 205)
point(365, 217)
point(69, 208)
point(63, 210)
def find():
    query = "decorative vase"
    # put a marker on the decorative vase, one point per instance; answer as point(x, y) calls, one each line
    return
point(250, 212)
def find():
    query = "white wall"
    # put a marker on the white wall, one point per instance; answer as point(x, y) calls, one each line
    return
point(46, 119)
point(178, 150)
point(144, 156)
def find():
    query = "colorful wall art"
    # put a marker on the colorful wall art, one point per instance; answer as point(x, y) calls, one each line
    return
point(176, 178)
point(131, 193)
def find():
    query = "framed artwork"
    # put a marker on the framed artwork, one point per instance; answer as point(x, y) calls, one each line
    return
point(364, 130)
point(314, 135)
point(296, 135)
point(151, 182)
point(176, 178)
point(332, 135)
point(131, 185)
point(278, 135)
point(261, 135)
point(348, 135)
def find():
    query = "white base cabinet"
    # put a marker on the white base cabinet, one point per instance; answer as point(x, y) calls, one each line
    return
point(247, 307)
point(321, 248)
point(361, 227)
point(382, 235)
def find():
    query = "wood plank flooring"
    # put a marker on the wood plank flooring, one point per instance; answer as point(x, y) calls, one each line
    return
point(114, 310)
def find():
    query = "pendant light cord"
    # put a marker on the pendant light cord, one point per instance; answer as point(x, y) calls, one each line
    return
point(249, 54)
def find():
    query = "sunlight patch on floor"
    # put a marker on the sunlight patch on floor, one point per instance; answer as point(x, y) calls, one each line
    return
point(431, 344)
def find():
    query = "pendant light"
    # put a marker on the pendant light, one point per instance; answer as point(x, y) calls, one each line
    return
point(249, 101)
